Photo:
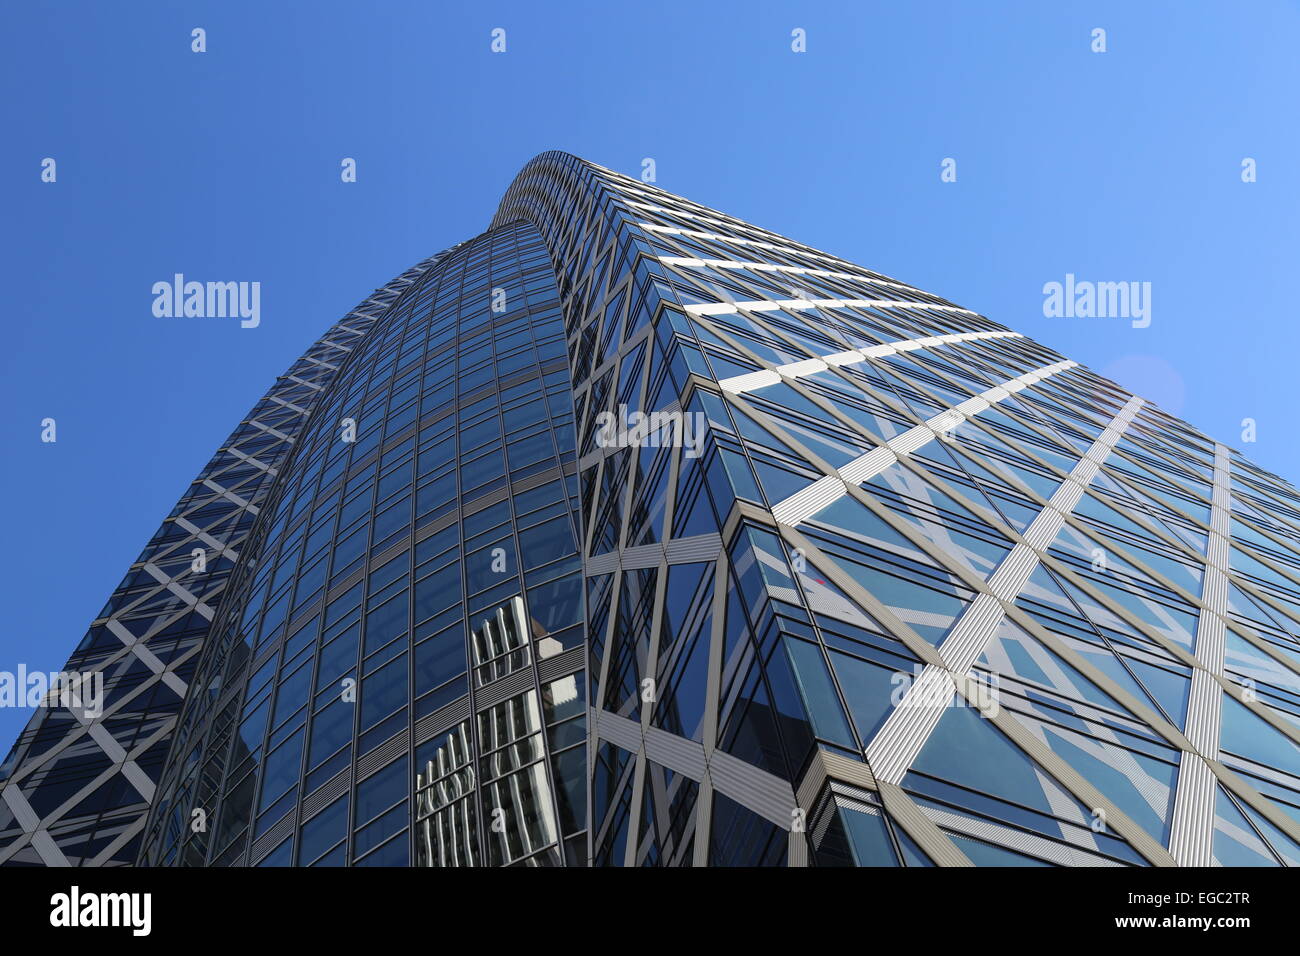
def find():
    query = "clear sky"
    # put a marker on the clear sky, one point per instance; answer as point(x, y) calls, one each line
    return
point(225, 165)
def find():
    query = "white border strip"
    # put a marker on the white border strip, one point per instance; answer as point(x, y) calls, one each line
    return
point(693, 263)
point(772, 305)
point(793, 250)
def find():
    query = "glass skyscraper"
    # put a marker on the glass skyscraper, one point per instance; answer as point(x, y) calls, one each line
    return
point(630, 534)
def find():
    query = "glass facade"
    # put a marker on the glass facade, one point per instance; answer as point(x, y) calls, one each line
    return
point(394, 677)
point(629, 533)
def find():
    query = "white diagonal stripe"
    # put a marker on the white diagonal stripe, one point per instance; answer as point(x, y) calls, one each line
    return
point(808, 501)
point(1191, 837)
point(754, 380)
point(904, 733)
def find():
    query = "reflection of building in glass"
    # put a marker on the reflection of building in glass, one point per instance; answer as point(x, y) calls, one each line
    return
point(514, 794)
point(920, 591)
point(446, 828)
point(501, 643)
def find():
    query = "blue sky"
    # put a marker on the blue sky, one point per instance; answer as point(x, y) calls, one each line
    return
point(1115, 166)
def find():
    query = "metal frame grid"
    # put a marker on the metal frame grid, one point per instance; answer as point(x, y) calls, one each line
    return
point(77, 791)
point(918, 592)
point(927, 496)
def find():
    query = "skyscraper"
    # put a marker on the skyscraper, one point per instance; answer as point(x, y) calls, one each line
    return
point(628, 533)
